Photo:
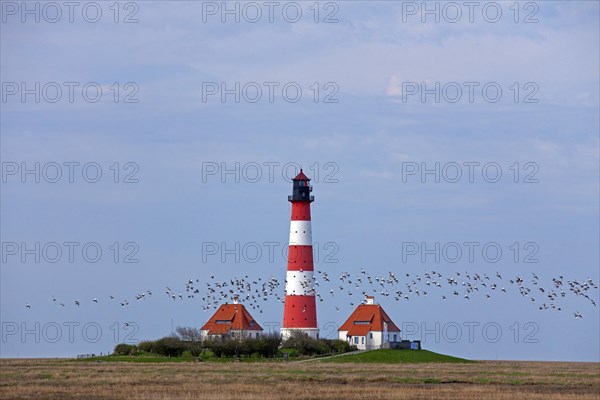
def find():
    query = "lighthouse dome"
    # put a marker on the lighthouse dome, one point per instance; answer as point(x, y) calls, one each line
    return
point(301, 176)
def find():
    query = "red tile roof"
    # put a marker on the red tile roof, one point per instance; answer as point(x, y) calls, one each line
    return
point(231, 317)
point(370, 318)
point(301, 176)
point(359, 330)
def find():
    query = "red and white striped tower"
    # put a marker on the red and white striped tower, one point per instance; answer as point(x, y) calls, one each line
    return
point(300, 310)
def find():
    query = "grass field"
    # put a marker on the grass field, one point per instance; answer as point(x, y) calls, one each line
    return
point(343, 379)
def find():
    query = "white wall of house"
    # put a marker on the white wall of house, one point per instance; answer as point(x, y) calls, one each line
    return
point(362, 343)
point(377, 340)
point(236, 333)
point(373, 341)
point(342, 335)
point(359, 341)
point(248, 334)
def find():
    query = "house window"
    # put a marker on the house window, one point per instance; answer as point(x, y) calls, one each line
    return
point(257, 334)
point(363, 339)
point(370, 335)
point(395, 340)
point(355, 339)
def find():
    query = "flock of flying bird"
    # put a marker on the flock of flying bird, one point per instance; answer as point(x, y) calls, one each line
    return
point(254, 292)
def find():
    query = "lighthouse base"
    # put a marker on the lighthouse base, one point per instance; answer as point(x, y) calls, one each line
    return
point(311, 332)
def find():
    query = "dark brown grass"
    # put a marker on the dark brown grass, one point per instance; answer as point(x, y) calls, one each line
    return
point(68, 379)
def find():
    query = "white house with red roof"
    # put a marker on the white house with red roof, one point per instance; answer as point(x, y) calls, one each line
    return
point(369, 327)
point(231, 321)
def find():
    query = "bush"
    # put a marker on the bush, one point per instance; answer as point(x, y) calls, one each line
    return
point(297, 344)
point(267, 345)
point(170, 346)
point(230, 347)
point(337, 346)
point(191, 338)
point(264, 346)
point(124, 349)
point(214, 345)
point(194, 348)
point(146, 346)
point(305, 344)
point(291, 352)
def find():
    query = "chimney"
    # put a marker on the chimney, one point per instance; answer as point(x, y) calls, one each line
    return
point(370, 300)
point(235, 299)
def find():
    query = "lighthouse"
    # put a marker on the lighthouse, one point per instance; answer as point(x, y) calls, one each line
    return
point(300, 311)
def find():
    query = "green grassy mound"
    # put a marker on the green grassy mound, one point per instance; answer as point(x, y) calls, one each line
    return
point(397, 356)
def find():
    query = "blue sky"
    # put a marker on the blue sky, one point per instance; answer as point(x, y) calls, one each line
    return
point(365, 211)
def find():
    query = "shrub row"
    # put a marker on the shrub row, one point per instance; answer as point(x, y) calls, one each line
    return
point(298, 343)
point(306, 345)
point(264, 346)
